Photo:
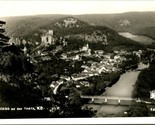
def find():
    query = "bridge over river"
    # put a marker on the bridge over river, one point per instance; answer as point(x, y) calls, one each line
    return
point(117, 98)
point(109, 100)
point(113, 100)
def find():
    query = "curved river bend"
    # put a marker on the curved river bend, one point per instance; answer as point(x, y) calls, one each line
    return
point(123, 88)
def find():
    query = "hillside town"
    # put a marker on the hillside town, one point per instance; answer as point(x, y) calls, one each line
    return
point(94, 62)
point(98, 63)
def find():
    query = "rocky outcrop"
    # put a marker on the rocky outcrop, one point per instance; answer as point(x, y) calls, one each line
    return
point(124, 22)
point(70, 22)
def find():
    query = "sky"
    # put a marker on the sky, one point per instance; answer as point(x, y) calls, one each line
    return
point(35, 7)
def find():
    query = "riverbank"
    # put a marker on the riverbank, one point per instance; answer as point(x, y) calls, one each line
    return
point(122, 88)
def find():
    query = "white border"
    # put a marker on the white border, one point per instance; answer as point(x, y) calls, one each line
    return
point(144, 120)
point(118, 120)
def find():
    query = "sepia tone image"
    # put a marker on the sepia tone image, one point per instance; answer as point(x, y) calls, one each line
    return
point(77, 59)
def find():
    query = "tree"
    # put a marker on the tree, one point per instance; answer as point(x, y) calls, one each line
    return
point(138, 110)
point(24, 83)
point(145, 83)
point(69, 103)
point(16, 84)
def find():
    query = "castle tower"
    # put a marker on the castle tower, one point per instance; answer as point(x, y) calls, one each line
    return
point(47, 39)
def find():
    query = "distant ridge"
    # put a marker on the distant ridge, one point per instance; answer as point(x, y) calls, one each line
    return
point(138, 22)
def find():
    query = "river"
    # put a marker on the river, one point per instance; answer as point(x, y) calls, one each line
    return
point(123, 88)
point(139, 38)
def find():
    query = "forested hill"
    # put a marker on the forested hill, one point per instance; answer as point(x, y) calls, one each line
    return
point(141, 23)
point(129, 19)
point(32, 28)
point(25, 25)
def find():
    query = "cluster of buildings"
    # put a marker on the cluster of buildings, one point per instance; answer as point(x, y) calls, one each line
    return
point(108, 62)
point(92, 68)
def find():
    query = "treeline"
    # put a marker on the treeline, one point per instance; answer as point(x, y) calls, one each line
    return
point(145, 82)
point(27, 25)
point(131, 62)
point(143, 86)
point(138, 110)
point(33, 32)
point(82, 30)
point(24, 83)
point(99, 83)
point(152, 46)
point(115, 41)
point(76, 44)
point(145, 31)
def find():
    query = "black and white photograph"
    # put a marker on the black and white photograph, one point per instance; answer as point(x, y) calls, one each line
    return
point(77, 59)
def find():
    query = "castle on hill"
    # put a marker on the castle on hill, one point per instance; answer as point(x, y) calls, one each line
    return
point(47, 38)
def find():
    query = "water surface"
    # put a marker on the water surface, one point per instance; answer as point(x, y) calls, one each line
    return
point(122, 88)
point(139, 38)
